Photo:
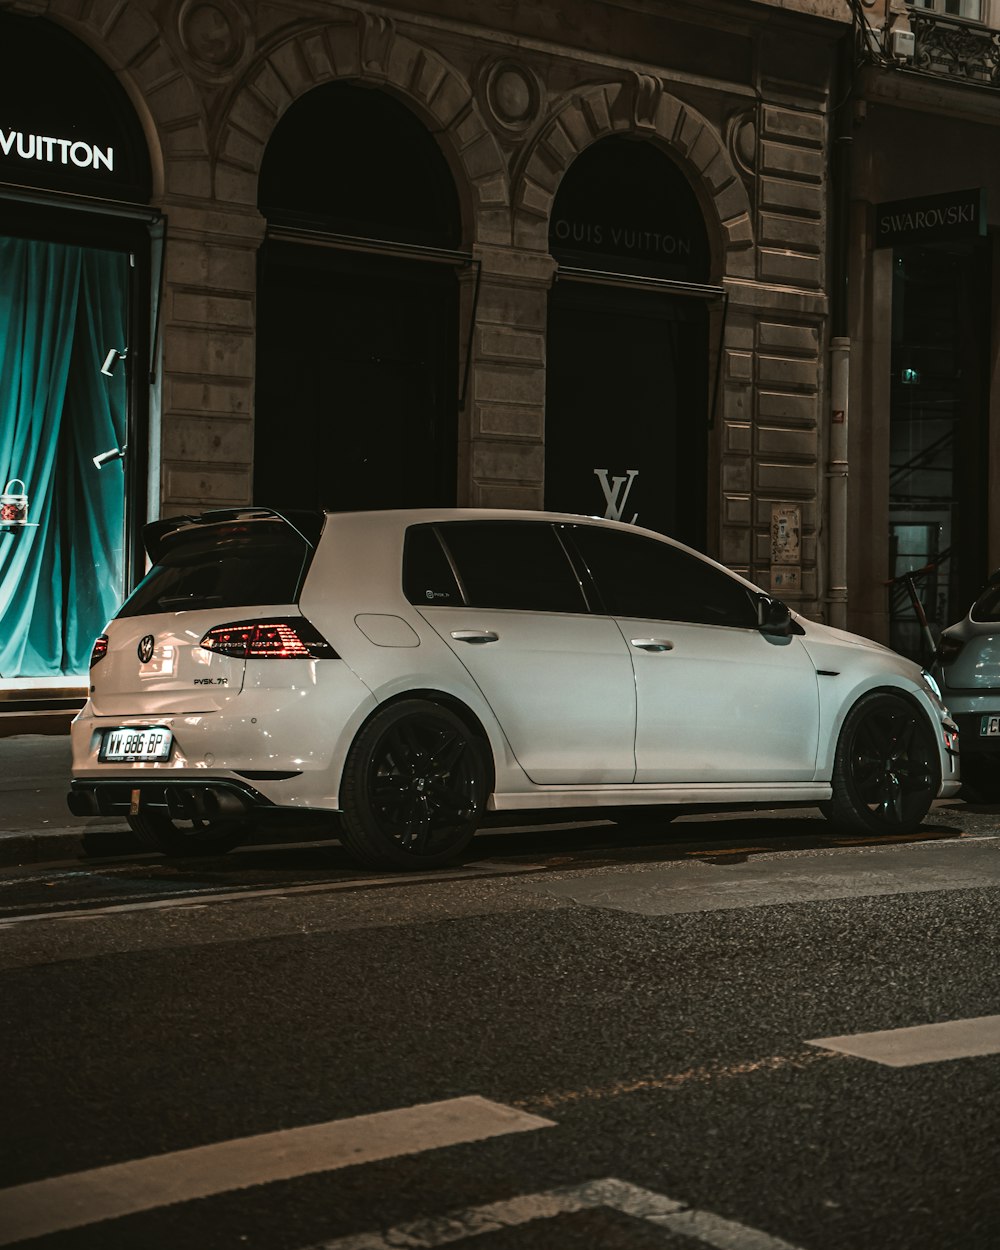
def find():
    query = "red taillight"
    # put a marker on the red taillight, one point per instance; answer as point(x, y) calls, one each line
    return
point(291, 639)
point(100, 650)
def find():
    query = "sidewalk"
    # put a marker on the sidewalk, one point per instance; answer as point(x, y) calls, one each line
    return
point(35, 823)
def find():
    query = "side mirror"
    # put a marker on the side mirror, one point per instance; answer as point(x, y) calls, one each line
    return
point(773, 617)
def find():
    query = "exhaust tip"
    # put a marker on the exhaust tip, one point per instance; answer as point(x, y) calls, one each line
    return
point(83, 803)
point(203, 803)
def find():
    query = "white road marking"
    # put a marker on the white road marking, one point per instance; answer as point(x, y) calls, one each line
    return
point(923, 1043)
point(82, 1198)
point(644, 1204)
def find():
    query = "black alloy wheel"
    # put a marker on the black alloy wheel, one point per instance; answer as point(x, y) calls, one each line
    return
point(197, 837)
point(886, 771)
point(413, 789)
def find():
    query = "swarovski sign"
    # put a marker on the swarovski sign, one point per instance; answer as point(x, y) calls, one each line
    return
point(30, 147)
point(931, 219)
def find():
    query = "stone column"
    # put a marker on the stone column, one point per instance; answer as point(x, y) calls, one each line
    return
point(502, 444)
point(207, 327)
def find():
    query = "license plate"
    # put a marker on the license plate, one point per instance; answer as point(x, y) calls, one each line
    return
point(129, 745)
point(989, 727)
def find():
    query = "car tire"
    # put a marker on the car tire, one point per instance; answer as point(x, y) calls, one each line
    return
point(413, 789)
point(886, 771)
point(183, 839)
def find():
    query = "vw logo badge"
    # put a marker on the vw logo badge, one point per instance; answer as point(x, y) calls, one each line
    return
point(145, 648)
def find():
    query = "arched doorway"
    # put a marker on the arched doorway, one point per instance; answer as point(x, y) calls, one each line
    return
point(74, 351)
point(357, 356)
point(627, 384)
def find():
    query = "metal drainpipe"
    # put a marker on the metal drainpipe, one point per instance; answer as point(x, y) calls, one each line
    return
point(840, 373)
point(840, 343)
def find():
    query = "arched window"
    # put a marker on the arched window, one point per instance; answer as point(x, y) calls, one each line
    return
point(627, 378)
point(74, 296)
point(353, 160)
point(625, 206)
point(66, 123)
point(357, 339)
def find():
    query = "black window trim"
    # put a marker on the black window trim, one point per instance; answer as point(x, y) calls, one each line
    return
point(589, 588)
point(436, 530)
point(599, 598)
point(587, 608)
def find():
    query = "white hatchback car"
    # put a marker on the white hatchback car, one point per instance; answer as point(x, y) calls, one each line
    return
point(411, 669)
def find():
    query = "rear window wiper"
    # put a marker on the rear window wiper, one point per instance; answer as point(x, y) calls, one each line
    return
point(190, 600)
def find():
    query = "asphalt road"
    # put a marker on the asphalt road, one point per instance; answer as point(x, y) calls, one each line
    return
point(576, 1038)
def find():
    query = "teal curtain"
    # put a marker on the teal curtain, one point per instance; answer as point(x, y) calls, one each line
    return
point(62, 308)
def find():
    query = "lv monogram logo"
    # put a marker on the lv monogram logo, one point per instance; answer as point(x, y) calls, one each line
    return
point(616, 493)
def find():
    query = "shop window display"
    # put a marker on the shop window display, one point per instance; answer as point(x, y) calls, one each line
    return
point(63, 308)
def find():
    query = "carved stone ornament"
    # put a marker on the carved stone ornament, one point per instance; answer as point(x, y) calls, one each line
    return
point(647, 92)
point(741, 140)
point(510, 94)
point(214, 35)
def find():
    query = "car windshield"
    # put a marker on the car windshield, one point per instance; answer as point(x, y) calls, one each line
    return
point(232, 564)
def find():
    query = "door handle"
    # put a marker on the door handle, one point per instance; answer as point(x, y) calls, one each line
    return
point(652, 644)
point(475, 635)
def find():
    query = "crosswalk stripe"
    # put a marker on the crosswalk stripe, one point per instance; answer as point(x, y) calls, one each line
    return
point(695, 1225)
point(922, 1043)
point(82, 1198)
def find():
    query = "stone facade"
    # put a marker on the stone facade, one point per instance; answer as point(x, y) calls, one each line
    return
point(512, 101)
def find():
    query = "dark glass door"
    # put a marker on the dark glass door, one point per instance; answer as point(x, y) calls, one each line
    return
point(626, 407)
point(356, 378)
point(938, 422)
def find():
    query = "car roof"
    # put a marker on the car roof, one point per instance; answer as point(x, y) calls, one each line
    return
point(425, 516)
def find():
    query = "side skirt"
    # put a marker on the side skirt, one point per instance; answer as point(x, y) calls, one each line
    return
point(626, 796)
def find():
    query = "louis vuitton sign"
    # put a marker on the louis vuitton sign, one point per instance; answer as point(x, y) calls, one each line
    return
point(66, 122)
point(623, 206)
point(618, 239)
point(56, 151)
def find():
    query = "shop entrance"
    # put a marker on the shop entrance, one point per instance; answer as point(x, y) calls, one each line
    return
point(938, 419)
point(357, 335)
point(355, 381)
point(627, 380)
point(74, 351)
point(625, 418)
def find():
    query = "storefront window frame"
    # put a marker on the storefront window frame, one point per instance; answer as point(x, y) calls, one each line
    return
point(112, 226)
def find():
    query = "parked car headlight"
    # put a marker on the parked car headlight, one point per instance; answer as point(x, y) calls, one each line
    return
point(929, 680)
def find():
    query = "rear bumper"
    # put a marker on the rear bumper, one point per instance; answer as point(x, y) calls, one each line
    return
point(278, 747)
point(971, 737)
point(205, 798)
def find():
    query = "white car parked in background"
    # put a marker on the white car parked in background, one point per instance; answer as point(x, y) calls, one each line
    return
point(411, 669)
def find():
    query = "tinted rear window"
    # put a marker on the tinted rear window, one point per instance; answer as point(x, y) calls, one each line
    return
point(427, 575)
point(231, 565)
point(513, 564)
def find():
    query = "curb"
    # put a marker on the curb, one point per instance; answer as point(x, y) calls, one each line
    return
point(22, 848)
point(40, 848)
